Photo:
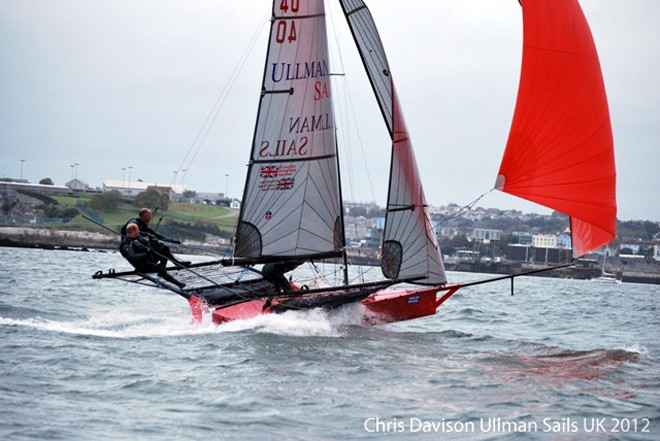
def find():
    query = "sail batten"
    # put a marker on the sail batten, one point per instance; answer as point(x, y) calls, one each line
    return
point(560, 151)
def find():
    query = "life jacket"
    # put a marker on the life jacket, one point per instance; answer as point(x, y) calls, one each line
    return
point(137, 221)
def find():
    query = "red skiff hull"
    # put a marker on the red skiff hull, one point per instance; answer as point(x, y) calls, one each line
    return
point(384, 306)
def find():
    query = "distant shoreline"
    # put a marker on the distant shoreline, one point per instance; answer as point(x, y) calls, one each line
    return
point(46, 238)
point(49, 239)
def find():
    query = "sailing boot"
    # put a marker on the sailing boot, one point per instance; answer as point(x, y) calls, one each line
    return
point(171, 279)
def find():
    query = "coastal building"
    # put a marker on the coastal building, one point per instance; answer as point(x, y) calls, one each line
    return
point(485, 236)
point(204, 198)
point(467, 255)
point(552, 255)
point(446, 231)
point(523, 237)
point(77, 185)
point(133, 188)
point(638, 248)
point(357, 228)
point(564, 241)
point(24, 185)
point(544, 241)
point(630, 248)
point(518, 252)
point(525, 253)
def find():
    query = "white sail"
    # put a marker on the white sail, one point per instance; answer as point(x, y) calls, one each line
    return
point(291, 203)
point(410, 247)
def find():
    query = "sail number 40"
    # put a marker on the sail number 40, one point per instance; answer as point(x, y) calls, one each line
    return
point(295, 5)
point(286, 30)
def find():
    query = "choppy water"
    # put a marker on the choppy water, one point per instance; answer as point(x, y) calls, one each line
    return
point(85, 360)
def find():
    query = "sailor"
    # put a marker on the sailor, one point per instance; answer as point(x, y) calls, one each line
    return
point(274, 273)
point(137, 250)
point(155, 239)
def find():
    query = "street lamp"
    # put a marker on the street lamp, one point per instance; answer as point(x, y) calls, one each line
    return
point(226, 185)
point(130, 167)
point(72, 167)
point(22, 161)
point(174, 187)
point(75, 170)
point(123, 179)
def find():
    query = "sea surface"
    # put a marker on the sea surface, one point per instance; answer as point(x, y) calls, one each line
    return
point(82, 359)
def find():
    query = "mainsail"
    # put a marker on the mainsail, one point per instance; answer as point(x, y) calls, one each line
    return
point(291, 203)
point(410, 247)
point(560, 150)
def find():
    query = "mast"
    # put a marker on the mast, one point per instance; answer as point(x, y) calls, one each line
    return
point(344, 254)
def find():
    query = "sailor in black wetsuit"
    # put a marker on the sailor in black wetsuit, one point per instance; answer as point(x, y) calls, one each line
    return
point(274, 273)
point(136, 250)
point(155, 239)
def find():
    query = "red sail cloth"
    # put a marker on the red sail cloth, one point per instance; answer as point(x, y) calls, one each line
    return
point(560, 151)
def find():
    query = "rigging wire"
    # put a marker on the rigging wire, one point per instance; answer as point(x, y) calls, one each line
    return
point(350, 105)
point(199, 140)
point(466, 208)
point(204, 130)
point(348, 114)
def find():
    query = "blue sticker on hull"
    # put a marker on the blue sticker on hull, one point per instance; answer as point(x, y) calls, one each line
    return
point(413, 299)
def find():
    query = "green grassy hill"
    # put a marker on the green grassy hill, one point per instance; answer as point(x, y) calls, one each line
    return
point(180, 221)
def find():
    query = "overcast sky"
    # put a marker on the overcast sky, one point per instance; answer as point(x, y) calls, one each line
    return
point(118, 84)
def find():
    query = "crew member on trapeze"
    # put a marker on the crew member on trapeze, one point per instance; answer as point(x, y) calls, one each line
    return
point(137, 250)
point(155, 239)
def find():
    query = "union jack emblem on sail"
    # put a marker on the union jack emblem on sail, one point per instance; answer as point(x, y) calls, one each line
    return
point(285, 184)
point(268, 171)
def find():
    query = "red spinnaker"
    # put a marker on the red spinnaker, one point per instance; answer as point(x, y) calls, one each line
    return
point(560, 151)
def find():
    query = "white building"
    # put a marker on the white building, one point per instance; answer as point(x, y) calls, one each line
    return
point(202, 197)
point(133, 188)
point(467, 255)
point(544, 241)
point(485, 236)
point(634, 247)
point(77, 185)
point(58, 190)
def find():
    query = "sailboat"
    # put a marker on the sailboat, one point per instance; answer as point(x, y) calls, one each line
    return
point(559, 154)
point(604, 275)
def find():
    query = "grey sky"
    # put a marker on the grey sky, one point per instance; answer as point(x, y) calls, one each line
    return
point(110, 85)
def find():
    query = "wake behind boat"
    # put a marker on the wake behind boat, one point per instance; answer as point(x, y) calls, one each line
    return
point(292, 206)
